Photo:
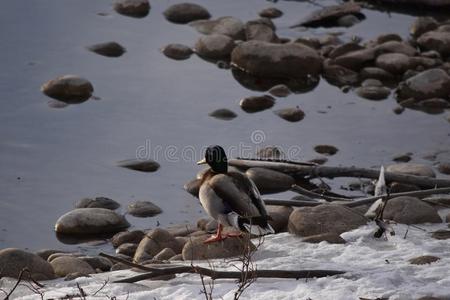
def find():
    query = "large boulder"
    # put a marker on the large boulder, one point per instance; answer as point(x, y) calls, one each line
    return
point(65, 265)
point(410, 210)
point(292, 60)
point(154, 242)
point(325, 218)
point(13, 261)
point(433, 83)
point(83, 221)
point(70, 89)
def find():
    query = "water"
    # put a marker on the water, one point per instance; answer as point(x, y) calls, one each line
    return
point(51, 158)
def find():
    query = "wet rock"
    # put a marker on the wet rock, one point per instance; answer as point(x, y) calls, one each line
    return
point(422, 25)
point(373, 92)
point(84, 221)
point(128, 249)
point(325, 218)
point(280, 90)
point(143, 209)
point(97, 202)
point(329, 15)
point(376, 73)
point(371, 82)
point(434, 83)
point(183, 13)
point(123, 237)
point(109, 49)
point(423, 260)
point(214, 46)
point(410, 210)
point(271, 13)
point(193, 187)
point(177, 51)
point(164, 254)
point(435, 40)
point(411, 169)
point(196, 249)
point(406, 157)
point(444, 168)
point(59, 254)
point(395, 63)
point(398, 110)
point(356, 60)
point(132, 8)
point(223, 114)
point(441, 234)
point(280, 217)
point(45, 253)
point(422, 63)
point(311, 42)
point(339, 76)
point(139, 165)
point(270, 152)
point(388, 37)
point(229, 26)
point(326, 149)
point(291, 114)
point(276, 60)
point(270, 181)
point(396, 47)
point(258, 31)
point(98, 262)
point(434, 103)
point(65, 265)
point(13, 261)
point(398, 187)
point(329, 237)
point(344, 49)
point(257, 103)
point(153, 243)
point(70, 89)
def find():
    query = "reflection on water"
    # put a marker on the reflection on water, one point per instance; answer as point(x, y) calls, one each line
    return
point(50, 158)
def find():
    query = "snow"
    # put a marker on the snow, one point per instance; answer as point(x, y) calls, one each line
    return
point(376, 268)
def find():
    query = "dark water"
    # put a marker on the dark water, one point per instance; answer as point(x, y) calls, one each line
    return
point(150, 102)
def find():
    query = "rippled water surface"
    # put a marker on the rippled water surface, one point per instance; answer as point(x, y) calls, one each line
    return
point(50, 158)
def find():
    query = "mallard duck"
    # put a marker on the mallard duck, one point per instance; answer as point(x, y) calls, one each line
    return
point(231, 198)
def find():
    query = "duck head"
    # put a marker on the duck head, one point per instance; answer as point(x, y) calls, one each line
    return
point(216, 158)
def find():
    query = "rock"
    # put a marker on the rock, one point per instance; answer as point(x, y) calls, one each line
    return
point(376, 73)
point(356, 60)
point(398, 187)
point(143, 209)
point(270, 152)
point(229, 26)
point(139, 165)
point(339, 76)
point(435, 40)
point(181, 230)
point(73, 276)
point(348, 21)
point(258, 31)
point(183, 13)
point(328, 237)
point(123, 237)
point(319, 160)
point(396, 47)
point(410, 210)
point(434, 103)
point(70, 89)
point(265, 59)
point(325, 218)
point(13, 261)
point(444, 168)
point(388, 37)
point(132, 8)
point(178, 257)
point(311, 42)
point(271, 13)
point(280, 90)
point(84, 221)
point(269, 181)
point(177, 51)
point(398, 110)
point(59, 254)
point(434, 83)
point(441, 234)
point(164, 254)
point(128, 249)
point(422, 25)
point(45, 253)
point(223, 114)
point(411, 169)
point(153, 243)
point(256, 103)
point(214, 46)
point(395, 63)
point(65, 265)
point(406, 157)
point(423, 260)
point(438, 200)
point(97, 202)
point(193, 187)
point(109, 49)
point(98, 262)
point(371, 82)
point(280, 217)
point(329, 15)
point(120, 266)
point(291, 114)
point(344, 49)
point(423, 63)
point(196, 249)
point(326, 149)
point(373, 92)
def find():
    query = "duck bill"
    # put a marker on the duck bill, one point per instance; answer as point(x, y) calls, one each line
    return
point(201, 162)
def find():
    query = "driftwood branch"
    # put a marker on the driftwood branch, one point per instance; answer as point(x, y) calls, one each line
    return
point(298, 170)
point(303, 191)
point(171, 270)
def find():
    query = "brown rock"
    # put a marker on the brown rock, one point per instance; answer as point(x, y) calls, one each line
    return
point(441, 234)
point(257, 103)
point(423, 260)
point(326, 149)
point(291, 114)
point(196, 249)
point(120, 238)
point(13, 261)
point(65, 265)
point(329, 237)
point(280, 217)
point(410, 210)
point(153, 243)
point(270, 181)
point(128, 249)
point(411, 169)
point(164, 254)
point(132, 8)
point(183, 13)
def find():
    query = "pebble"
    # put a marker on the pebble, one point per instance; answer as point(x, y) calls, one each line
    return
point(97, 202)
point(132, 8)
point(177, 51)
point(139, 165)
point(214, 46)
point(423, 260)
point(143, 209)
point(108, 49)
point(373, 92)
point(183, 13)
point(280, 90)
point(70, 89)
point(223, 114)
point(291, 114)
point(271, 13)
point(257, 103)
point(326, 149)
